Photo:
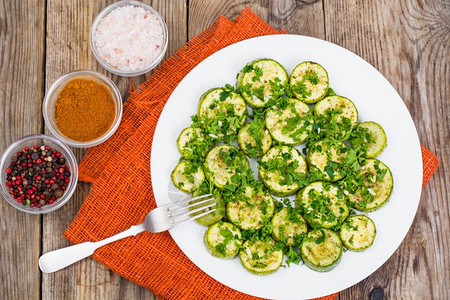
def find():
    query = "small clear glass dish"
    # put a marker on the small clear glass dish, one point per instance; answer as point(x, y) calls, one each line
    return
point(40, 140)
point(48, 107)
point(112, 69)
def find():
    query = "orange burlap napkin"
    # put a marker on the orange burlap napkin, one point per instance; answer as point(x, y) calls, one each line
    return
point(121, 194)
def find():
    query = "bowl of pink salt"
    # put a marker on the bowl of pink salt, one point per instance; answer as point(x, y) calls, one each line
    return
point(129, 38)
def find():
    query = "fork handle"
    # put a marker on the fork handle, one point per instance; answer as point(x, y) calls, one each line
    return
point(61, 258)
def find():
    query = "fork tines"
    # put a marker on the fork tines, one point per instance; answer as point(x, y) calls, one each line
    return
point(191, 209)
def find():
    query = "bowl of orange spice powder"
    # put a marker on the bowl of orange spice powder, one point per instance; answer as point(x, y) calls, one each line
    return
point(83, 108)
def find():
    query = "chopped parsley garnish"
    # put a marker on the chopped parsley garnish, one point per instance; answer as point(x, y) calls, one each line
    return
point(324, 131)
point(256, 129)
point(221, 121)
point(331, 124)
point(330, 92)
point(258, 74)
point(351, 240)
point(319, 209)
point(293, 257)
point(321, 238)
point(248, 68)
point(286, 169)
point(360, 138)
point(259, 86)
point(224, 95)
point(300, 87)
point(197, 146)
point(312, 77)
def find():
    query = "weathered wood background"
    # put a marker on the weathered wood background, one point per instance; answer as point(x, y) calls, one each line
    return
point(407, 41)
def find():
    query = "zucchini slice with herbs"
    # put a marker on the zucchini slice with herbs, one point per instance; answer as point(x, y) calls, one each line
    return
point(222, 112)
point(370, 138)
point(309, 82)
point(187, 176)
point(358, 233)
point(192, 143)
point(260, 81)
point(261, 257)
point(214, 216)
point(289, 226)
point(321, 250)
point(225, 165)
point(282, 170)
point(326, 159)
point(289, 121)
point(336, 116)
point(223, 240)
point(323, 204)
point(254, 139)
point(251, 209)
point(370, 187)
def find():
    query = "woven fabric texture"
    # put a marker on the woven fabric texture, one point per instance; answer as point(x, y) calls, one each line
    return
point(121, 194)
point(430, 164)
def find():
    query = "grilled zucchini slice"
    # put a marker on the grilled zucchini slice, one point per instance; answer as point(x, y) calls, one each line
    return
point(254, 139)
point(281, 169)
point(225, 164)
point(252, 209)
point(370, 138)
point(187, 176)
point(192, 143)
point(223, 240)
point(321, 250)
point(358, 233)
point(336, 117)
point(212, 217)
point(325, 159)
point(309, 82)
point(223, 112)
point(322, 204)
point(289, 121)
point(289, 226)
point(371, 187)
point(260, 256)
point(260, 81)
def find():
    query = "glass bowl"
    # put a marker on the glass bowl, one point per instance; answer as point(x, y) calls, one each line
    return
point(48, 106)
point(110, 68)
point(30, 141)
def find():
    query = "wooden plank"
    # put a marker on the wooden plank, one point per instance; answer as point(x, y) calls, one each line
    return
point(408, 42)
point(21, 91)
point(299, 17)
point(68, 25)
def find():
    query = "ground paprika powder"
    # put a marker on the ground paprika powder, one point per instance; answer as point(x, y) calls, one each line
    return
point(84, 110)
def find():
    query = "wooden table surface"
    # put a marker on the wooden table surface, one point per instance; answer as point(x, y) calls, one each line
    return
point(407, 41)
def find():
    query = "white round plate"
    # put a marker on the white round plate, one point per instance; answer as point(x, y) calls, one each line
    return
point(375, 99)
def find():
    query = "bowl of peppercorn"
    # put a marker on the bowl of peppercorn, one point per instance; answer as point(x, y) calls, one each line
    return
point(38, 174)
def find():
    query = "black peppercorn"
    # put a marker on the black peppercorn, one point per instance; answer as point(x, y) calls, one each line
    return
point(58, 193)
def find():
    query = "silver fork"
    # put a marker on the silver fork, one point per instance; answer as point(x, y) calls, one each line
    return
point(159, 219)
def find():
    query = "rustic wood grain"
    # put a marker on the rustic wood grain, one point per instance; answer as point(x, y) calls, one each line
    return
point(299, 17)
point(68, 25)
point(21, 91)
point(409, 43)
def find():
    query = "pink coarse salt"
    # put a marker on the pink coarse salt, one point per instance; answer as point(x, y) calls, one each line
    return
point(129, 38)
